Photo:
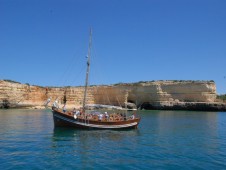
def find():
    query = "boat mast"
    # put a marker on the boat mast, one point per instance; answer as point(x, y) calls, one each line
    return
point(87, 69)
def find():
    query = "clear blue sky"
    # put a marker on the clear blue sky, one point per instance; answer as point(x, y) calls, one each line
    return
point(44, 42)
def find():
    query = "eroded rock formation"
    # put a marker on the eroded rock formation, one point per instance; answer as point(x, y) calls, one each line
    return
point(152, 95)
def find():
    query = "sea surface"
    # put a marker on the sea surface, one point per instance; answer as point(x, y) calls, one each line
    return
point(163, 140)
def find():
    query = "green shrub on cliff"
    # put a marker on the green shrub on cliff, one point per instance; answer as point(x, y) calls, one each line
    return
point(12, 81)
point(222, 96)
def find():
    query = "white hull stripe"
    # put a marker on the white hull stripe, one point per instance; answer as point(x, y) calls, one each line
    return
point(96, 126)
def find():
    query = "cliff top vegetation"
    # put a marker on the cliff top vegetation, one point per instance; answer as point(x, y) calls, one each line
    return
point(117, 84)
point(174, 81)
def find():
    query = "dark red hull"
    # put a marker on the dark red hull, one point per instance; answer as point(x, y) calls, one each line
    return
point(67, 120)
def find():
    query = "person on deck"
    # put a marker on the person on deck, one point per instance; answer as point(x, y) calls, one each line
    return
point(47, 102)
point(100, 116)
point(106, 115)
point(133, 116)
point(77, 112)
point(55, 104)
point(64, 108)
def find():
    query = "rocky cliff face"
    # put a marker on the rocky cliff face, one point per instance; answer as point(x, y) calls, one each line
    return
point(21, 94)
point(154, 94)
point(186, 91)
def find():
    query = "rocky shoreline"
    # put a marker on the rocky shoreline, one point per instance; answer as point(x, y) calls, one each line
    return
point(188, 106)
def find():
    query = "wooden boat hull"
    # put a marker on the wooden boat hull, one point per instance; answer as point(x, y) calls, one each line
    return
point(66, 120)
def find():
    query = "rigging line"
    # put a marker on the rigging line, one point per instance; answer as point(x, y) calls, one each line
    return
point(76, 77)
point(76, 68)
point(118, 101)
point(61, 77)
point(108, 98)
point(72, 63)
point(68, 67)
point(66, 74)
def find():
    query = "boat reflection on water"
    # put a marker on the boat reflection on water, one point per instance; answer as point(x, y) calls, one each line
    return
point(86, 144)
point(63, 133)
point(88, 147)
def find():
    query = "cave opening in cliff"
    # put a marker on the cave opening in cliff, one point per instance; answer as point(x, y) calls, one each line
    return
point(5, 104)
point(146, 106)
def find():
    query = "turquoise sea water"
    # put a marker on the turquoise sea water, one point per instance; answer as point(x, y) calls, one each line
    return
point(164, 140)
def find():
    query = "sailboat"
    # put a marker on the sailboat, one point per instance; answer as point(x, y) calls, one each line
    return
point(86, 119)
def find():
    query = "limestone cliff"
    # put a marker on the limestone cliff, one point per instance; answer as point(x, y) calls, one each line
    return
point(156, 94)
